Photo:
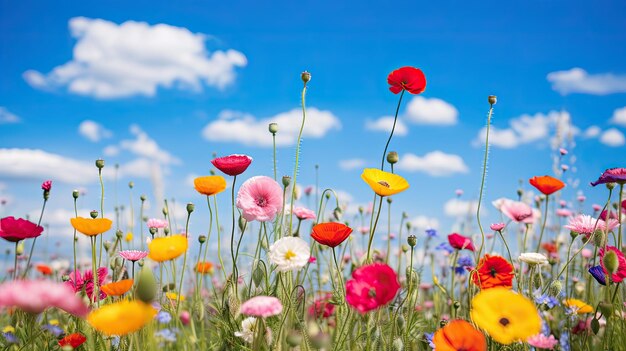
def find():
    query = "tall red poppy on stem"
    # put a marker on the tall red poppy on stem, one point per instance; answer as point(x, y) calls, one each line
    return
point(330, 234)
point(233, 165)
point(493, 271)
point(546, 184)
point(407, 78)
point(460, 242)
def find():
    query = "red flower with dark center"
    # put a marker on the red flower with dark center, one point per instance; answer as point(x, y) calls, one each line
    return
point(372, 286)
point(232, 165)
point(330, 234)
point(493, 271)
point(74, 340)
point(546, 184)
point(460, 242)
point(14, 230)
point(407, 78)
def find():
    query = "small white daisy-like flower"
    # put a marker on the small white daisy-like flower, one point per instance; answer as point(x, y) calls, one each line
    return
point(289, 254)
point(533, 258)
point(248, 329)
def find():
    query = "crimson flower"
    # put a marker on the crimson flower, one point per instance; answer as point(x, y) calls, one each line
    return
point(546, 184)
point(233, 165)
point(620, 273)
point(407, 78)
point(47, 185)
point(372, 286)
point(331, 234)
point(79, 282)
point(612, 175)
point(493, 271)
point(74, 340)
point(14, 230)
point(460, 242)
point(321, 307)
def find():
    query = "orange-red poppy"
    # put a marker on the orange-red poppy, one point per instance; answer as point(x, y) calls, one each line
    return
point(44, 269)
point(493, 271)
point(459, 335)
point(74, 340)
point(330, 234)
point(547, 184)
point(205, 268)
point(118, 288)
point(550, 247)
point(407, 78)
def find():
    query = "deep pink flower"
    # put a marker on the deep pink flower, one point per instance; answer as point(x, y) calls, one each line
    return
point(260, 198)
point(35, 296)
point(262, 306)
point(321, 307)
point(587, 225)
point(541, 341)
point(596, 207)
point(133, 255)
point(47, 185)
point(460, 242)
point(78, 282)
point(14, 230)
point(618, 276)
point(232, 165)
point(371, 287)
point(563, 212)
point(304, 213)
point(517, 211)
point(496, 227)
point(612, 175)
point(185, 317)
point(156, 223)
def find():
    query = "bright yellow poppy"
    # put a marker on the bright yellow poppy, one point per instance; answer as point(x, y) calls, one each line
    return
point(91, 226)
point(210, 185)
point(174, 296)
point(579, 306)
point(384, 183)
point(167, 248)
point(505, 315)
point(121, 318)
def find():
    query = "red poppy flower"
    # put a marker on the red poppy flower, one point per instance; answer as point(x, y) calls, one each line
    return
point(14, 230)
point(460, 242)
point(550, 247)
point(74, 340)
point(493, 271)
point(321, 307)
point(407, 78)
point(232, 165)
point(372, 286)
point(43, 269)
point(330, 234)
point(546, 184)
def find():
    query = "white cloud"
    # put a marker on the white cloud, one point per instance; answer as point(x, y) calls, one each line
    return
point(435, 163)
point(592, 132)
point(351, 164)
point(145, 146)
point(577, 80)
point(93, 131)
point(243, 128)
point(136, 58)
point(6, 117)
point(613, 137)
point(111, 150)
point(424, 222)
point(421, 110)
point(619, 117)
point(460, 208)
point(384, 124)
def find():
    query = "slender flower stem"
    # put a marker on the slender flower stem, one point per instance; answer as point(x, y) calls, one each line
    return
point(453, 274)
point(208, 239)
point(232, 234)
point(373, 230)
point(393, 128)
point(619, 217)
point(219, 239)
point(32, 247)
point(295, 169)
point(482, 182)
point(75, 269)
point(17, 243)
point(543, 225)
point(101, 211)
point(274, 147)
point(143, 241)
point(182, 273)
point(388, 231)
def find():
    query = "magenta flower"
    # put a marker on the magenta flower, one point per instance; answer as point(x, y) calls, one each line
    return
point(78, 282)
point(260, 198)
point(262, 306)
point(38, 295)
point(304, 213)
point(496, 227)
point(620, 274)
point(156, 223)
point(14, 230)
point(232, 165)
point(372, 286)
point(541, 341)
point(612, 175)
point(47, 185)
point(133, 255)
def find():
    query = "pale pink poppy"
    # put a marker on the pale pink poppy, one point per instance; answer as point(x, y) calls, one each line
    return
point(303, 213)
point(262, 306)
point(156, 223)
point(260, 198)
point(38, 295)
point(518, 211)
point(133, 255)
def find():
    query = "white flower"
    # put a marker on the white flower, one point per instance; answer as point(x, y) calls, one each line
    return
point(248, 329)
point(533, 258)
point(289, 254)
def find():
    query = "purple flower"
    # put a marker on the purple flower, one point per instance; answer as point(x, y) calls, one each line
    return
point(431, 233)
point(612, 175)
point(463, 263)
point(445, 247)
point(598, 273)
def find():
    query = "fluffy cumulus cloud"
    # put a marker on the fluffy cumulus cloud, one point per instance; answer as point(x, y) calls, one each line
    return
point(577, 80)
point(350, 164)
point(433, 111)
point(435, 163)
point(612, 137)
point(93, 131)
point(460, 208)
point(243, 128)
point(592, 132)
point(6, 117)
point(384, 124)
point(619, 117)
point(135, 58)
point(424, 222)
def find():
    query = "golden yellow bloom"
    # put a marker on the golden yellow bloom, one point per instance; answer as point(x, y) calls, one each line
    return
point(579, 306)
point(8, 329)
point(117, 288)
point(90, 226)
point(121, 318)
point(167, 248)
point(174, 296)
point(384, 183)
point(53, 322)
point(129, 237)
point(210, 185)
point(505, 315)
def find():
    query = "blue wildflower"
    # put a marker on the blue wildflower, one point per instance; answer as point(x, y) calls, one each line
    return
point(163, 317)
point(115, 341)
point(10, 338)
point(431, 233)
point(598, 273)
point(429, 338)
point(545, 300)
point(462, 263)
point(166, 334)
point(53, 329)
point(445, 247)
point(564, 341)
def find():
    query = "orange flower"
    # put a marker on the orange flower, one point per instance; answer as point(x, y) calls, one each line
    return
point(90, 226)
point(546, 184)
point(210, 185)
point(330, 234)
point(117, 288)
point(44, 269)
point(493, 271)
point(459, 335)
point(204, 268)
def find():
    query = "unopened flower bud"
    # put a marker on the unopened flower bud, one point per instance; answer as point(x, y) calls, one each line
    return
point(610, 186)
point(119, 234)
point(166, 230)
point(242, 223)
point(212, 172)
point(397, 345)
point(520, 192)
point(190, 207)
point(93, 214)
point(19, 249)
point(146, 285)
point(75, 194)
point(165, 211)
point(400, 322)
point(456, 305)
point(273, 128)
point(152, 230)
point(327, 196)
point(405, 248)
point(286, 181)
point(131, 185)
point(65, 277)
point(202, 239)
point(306, 77)
point(492, 99)
point(361, 209)
point(294, 338)
point(443, 323)
point(599, 238)
point(389, 200)
point(555, 288)
point(412, 240)
point(408, 225)
point(142, 197)
point(100, 163)
point(392, 157)
point(610, 261)
point(107, 245)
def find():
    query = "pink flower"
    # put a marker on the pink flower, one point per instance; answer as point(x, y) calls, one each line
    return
point(232, 165)
point(321, 307)
point(260, 198)
point(78, 282)
point(460, 242)
point(517, 211)
point(364, 230)
point(586, 225)
point(14, 230)
point(564, 168)
point(563, 212)
point(372, 286)
point(156, 223)
point(35, 296)
point(308, 190)
point(304, 213)
point(596, 207)
point(496, 227)
point(47, 185)
point(618, 276)
point(586, 253)
point(185, 317)
point(612, 175)
point(262, 306)
point(458, 192)
point(563, 151)
point(312, 259)
point(581, 198)
point(542, 342)
point(133, 255)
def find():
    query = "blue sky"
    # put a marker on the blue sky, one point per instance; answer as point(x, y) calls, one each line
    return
point(160, 99)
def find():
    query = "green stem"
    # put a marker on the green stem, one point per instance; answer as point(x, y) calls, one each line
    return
point(274, 147)
point(543, 225)
point(32, 247)
point(393, 128)
point(295, 169)
point(482, 182)
point(373, 230)
point(219, 239)
point(619, 217)
point(182, 273)
point(232, 234)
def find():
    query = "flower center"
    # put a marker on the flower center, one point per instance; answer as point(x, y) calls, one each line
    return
point(371, 292)
point(493, 272)
point(383, 183)
point(504, 321)
point(289, 255)
point(261, 202)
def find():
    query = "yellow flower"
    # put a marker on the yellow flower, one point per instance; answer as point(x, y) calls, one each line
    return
point(174, 296)
point(121, 318)
point(384, 183)
point(8, 329)
point(90, 226)
point(129, 237)
point(167, 248)
point(579, 306)
point(210, 185)
point(505, 315)
point(53, 322)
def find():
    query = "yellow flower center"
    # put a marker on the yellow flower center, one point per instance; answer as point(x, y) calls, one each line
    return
point(289, 255)
point(384, 183)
